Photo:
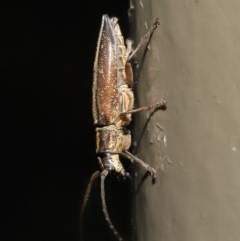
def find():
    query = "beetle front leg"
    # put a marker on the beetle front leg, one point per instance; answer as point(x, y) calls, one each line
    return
point(133, 158)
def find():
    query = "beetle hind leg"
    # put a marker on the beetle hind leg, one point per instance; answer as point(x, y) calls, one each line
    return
point(146, 38)
point(162, 105)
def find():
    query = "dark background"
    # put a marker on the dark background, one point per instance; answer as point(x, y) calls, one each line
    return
point(47, 136)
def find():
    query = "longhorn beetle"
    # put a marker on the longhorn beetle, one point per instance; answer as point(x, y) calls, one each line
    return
point(112, 107)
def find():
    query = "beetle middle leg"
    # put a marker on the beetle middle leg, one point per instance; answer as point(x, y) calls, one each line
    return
point(159, 105)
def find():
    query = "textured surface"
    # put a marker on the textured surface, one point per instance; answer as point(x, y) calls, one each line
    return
point(193, 62)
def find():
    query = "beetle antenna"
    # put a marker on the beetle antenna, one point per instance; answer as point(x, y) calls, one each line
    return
point(94, 176)
point(104, 206)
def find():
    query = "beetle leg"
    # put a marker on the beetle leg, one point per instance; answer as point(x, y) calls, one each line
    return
point(104, 174)
point(145, 38)
point(133, 158)
point(159, 105)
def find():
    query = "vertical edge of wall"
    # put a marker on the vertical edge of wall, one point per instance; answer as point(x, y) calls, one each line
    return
point(193, 62)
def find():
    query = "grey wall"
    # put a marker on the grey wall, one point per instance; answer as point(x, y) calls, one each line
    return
point(193, 62)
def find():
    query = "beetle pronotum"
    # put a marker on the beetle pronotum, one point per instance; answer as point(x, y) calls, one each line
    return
point(113, 106)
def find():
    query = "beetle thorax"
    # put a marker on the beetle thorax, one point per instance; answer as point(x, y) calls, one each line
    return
point(112, 139)
point(111, 163)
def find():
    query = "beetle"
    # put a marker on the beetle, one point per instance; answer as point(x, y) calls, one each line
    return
point(112, 107)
